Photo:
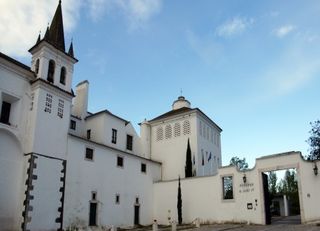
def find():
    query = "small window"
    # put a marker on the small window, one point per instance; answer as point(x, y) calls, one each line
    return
point(93, 195)
point(120, 161)
point(73, 125)
point(51, 71)
point(89, 154)
point(89, 134)
point(143, 168)
point(114, 136)
point(63, 75)
point(60, 108)
point(129, 142)
point(227, 187)
point(37, 66)
point(117, 198)
point(48, 104)
point(5, 112)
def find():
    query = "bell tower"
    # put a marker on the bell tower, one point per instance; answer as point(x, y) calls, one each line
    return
point(50, 61)
point(51, 90)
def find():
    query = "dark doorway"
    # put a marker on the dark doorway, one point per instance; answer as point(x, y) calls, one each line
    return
point(266, 199)
point(136, 214)
point(93, 214)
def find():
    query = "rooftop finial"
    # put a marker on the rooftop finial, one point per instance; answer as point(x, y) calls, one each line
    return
point(180, 91)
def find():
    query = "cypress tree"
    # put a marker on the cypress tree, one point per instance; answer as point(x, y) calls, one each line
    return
point(188, 167)
point(179, 204)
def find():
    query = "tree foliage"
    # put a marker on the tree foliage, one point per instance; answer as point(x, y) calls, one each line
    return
point(289, 186)
point(188, 167)
point(241, 164)
point(179, 204)
point(314, 141)
point(272, 183)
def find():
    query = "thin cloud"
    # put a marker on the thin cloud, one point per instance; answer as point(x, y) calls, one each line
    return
point(234, 27)
point(205, 47)
point(284, 30)
point(294, 70)
point(137, 12)
point(20, 23)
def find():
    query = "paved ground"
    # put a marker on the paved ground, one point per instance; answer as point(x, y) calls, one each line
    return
point(276, 227)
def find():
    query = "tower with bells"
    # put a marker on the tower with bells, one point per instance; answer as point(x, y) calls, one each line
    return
point(51, 91)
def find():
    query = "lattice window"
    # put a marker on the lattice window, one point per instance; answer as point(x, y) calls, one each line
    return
point(177, 129)
point(207, 133)
point(186, 127)
point(200, 128)
point(168, 131)
point(211, 135)
point(159, 133)
point(48, 105)
point(60, 108)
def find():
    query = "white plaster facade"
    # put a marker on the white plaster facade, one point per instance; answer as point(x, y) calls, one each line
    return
point(58, 161)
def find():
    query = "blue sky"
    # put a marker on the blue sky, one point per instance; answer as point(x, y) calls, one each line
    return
point(251, 66)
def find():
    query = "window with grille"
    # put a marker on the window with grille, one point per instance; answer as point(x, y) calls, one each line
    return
point(159, 133)
point(200, 128)
point(227, 187)
point(89, 154)
point(48, 105)
point(186, 127)
point(32, 101)
point(168, 131)
point(60, 108)
point(177, 129)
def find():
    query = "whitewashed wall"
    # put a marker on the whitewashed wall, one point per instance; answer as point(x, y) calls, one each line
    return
point(202, 196)
point(103, 176)
point(172, 152)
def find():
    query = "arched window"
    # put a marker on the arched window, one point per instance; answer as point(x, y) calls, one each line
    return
point(186, 127)
point(159, 133)
point(168, 131)
point(177, 129)
point(37, 66)
point(51, 71)
point(63, 75)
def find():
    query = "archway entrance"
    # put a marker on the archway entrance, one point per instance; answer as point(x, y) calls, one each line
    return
point(281, 196)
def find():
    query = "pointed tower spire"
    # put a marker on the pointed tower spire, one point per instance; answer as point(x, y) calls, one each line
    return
point(56, 33)
point(70, 52)
point(46, 35)
point(39, 37)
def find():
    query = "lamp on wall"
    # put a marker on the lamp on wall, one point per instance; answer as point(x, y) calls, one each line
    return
point(244, 178)
point(315, 169)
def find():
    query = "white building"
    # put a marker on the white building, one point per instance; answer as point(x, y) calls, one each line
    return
point(62, 166)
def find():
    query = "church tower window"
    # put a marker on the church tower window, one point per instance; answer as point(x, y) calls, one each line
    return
point(159, 133)
point(177, 129)
point(63, 75)
point(168, 131)
point(37, 66)
point(186, 127)
point(60, 108)
point(51, 68)
point(48, 104)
